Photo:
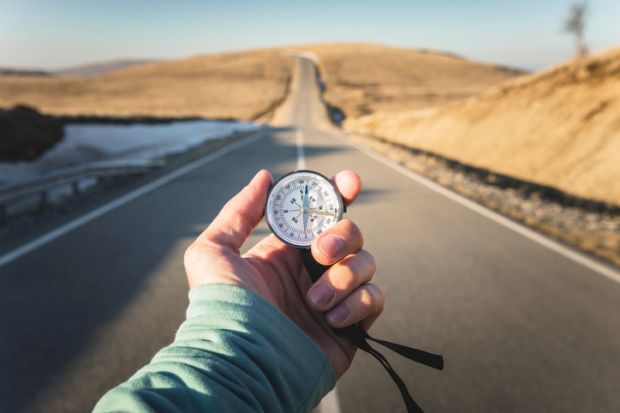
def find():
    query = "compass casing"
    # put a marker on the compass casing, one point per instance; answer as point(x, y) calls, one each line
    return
point(286, 209)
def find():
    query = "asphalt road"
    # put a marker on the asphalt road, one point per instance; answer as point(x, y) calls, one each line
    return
point(522, 327)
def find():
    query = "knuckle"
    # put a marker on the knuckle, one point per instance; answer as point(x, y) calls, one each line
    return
point(376, 297)
point(350, 232)
point(244, 220)
point(190, 253)
point(353, 271)
point(342, 277)
point(368, 261)
point(350, 227)
point(197, 251)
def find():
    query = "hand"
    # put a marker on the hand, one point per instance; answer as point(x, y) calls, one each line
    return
point(274, 270)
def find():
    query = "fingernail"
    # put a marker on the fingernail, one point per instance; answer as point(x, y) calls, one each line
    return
point(339, 314)
point(322, 294)
point(331, 245)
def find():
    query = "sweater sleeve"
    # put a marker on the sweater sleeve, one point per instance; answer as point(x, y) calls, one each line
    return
point(234, 353)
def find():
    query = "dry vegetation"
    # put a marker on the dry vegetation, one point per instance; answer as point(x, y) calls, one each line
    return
point(560, 128)
point(586, 228)
point(366, 78)
point(244, 85)
point(557, 128)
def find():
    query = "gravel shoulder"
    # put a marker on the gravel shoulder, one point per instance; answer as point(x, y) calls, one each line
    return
point(593, 228)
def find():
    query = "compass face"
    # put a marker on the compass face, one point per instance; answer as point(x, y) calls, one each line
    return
point(301, 205)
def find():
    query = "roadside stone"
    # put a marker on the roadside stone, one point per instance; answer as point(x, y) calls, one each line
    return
point(593, 232)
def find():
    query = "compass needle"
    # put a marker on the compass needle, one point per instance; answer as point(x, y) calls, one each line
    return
point(305, 208)
point(325, 213)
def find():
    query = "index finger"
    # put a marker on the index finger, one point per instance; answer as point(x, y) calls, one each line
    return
point(349, 185)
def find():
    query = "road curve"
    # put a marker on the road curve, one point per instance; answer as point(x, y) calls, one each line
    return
point(522, 327)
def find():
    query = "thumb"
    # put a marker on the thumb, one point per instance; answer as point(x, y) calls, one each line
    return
point(240, 215)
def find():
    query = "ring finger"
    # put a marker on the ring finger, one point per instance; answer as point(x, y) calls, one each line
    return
point(366, 302)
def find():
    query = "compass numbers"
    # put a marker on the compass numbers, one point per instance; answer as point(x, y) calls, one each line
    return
point(299, 208)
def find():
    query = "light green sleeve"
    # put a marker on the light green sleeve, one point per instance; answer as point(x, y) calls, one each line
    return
point(234, 353)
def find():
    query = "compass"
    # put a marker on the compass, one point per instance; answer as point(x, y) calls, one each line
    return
point(301, 205)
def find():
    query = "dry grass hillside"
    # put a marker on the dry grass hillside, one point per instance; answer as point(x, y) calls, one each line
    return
point(243, 85)
point(362, 79)
point(560, 127)
point(366, 78)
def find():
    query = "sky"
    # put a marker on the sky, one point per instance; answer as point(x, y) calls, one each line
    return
point(525, 34)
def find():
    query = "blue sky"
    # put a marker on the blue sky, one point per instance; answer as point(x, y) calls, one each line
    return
point(525, 33)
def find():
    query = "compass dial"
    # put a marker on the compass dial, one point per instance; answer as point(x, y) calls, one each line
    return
point(301, 205)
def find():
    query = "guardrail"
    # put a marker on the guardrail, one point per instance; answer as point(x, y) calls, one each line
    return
point(39, 188)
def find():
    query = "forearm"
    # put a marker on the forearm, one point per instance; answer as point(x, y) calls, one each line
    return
point(235, 352)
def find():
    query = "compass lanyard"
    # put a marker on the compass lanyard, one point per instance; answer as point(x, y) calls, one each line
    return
point(360, 337)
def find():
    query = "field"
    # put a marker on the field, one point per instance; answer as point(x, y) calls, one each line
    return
point(362, 79)
point(244, 85)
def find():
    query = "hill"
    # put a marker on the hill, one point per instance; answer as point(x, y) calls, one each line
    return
point(100, 68)
point(361, 79)
point(559, 127)
point(85, 70)
point(365, 78)
point(242, 85)
point(23, 72)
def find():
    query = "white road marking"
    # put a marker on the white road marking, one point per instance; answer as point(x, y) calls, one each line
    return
point(330, 403)
point(96, 213)
point(603, 269)
point(301, 159)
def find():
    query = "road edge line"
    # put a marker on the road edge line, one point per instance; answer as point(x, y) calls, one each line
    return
point(124, 199)
point(578, 257)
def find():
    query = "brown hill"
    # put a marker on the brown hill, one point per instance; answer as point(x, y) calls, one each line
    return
point(560, 127)
point(366, 78)
point(100, 68)
point(243, 85)
point(362, 78)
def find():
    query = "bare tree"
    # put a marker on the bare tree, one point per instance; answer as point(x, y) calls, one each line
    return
point(575, 25)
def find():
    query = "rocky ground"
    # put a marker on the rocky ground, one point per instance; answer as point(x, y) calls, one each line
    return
point(592, 227)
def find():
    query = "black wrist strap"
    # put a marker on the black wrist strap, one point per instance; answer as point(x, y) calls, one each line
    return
point(360, 337)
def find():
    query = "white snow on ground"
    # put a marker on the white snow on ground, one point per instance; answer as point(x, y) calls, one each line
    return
point(114, 142)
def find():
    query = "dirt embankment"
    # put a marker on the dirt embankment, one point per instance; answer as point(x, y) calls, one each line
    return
point(243, 85)
point(559, 128)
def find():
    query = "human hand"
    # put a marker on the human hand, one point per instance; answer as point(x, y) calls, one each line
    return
point(275, 271)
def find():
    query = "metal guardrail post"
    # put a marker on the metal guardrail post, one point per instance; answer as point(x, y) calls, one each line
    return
point(43, 200)
point(75, 187)
point(70, 177)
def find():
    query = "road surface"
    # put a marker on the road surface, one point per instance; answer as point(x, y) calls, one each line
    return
point(522, 327)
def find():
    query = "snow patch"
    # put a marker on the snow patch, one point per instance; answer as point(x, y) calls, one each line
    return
point(84, 143)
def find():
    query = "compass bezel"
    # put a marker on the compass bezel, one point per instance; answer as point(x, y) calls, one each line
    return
point(312, 174)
